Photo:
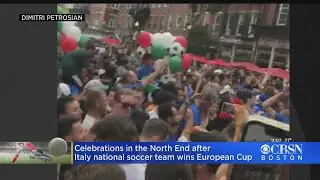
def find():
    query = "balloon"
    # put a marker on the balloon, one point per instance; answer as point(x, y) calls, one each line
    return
point(165, 39)
point(175, 64)
point(59, 10)
point(59, 26)
point(186, 61)
point(73, 31)
point(182, 41)
point(68, 44)
point(66, 25)
point(157, 51)
point(144, 39)
point(83, 40)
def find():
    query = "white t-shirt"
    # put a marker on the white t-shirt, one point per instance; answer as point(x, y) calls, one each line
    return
point(134, 171)
point(88, 122)
point(153, 114)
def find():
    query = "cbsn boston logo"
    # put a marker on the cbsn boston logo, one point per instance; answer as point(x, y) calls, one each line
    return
point(281, 152)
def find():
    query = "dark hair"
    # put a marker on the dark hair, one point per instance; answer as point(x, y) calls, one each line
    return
point(163, 96)
point(92, 99)
point(95, 172)
point(90, 45)
point(115, 128)
point(164, 111)
point(244, 95)
point(62, 103)
point(168, 172)
point(110, 70)
point(65, 126)
point(155, 127)
point(170, 87)
point(212, 136)
point(147, 56)
point(139, 118)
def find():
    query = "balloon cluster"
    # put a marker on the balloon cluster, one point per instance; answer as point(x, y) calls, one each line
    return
point(165, 44)
point(69, 36)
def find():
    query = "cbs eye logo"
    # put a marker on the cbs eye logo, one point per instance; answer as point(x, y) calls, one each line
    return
point(265, 149)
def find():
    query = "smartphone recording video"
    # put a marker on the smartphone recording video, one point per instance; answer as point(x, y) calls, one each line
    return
point(227, 108)
point(261, 129)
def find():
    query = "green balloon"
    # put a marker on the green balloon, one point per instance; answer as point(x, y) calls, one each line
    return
point(59, 10)
point(59, 26)
point(175, 64)
point(158, 51)
point(83, 40)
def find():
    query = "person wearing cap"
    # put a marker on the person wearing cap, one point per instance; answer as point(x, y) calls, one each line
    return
point(95, 85)
point(63, 90)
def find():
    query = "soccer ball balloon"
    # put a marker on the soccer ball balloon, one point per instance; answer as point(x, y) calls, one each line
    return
point(176, 49)
point(141, 51)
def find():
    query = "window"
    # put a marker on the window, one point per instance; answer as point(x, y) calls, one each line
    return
point(155, 22)
point(111, 21)
point(283, 15)
point(129, 22)
point(253, 21)
point(178, 21)
point(228, 27)
point(145, 5)
point(154, 5)
point(240, 24)
point(159, 5)
point(206, 19)
point(186, 19)
point(162, 22)
point(165, 5)
point(169, 22)
point(115, 6)
point(217, 23)
point(129, 6)
point(150, 22)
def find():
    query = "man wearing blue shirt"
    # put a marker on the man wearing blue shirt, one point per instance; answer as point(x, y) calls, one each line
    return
point(146, 67)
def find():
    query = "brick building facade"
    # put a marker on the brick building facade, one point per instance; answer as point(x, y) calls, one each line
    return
point(102, 18)
point(256, 32)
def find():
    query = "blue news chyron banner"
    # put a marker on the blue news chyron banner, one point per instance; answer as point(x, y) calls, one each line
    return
point(196, 153)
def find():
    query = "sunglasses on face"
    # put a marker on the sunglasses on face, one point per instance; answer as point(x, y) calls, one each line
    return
point(125, 105)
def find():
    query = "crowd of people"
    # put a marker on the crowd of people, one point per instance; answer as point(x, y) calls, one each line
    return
point(121, 96)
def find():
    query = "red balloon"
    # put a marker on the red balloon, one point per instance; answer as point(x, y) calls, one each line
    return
point(144, 39)
point(68, 44)
point(186, 61)
point(182, 41)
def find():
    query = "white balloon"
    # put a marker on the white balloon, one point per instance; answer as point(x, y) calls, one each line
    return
point(155, 37)
point(166, 39)
point(72, 31)
point(68, 23)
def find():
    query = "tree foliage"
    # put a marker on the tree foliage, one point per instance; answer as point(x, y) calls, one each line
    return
point(199, 40)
